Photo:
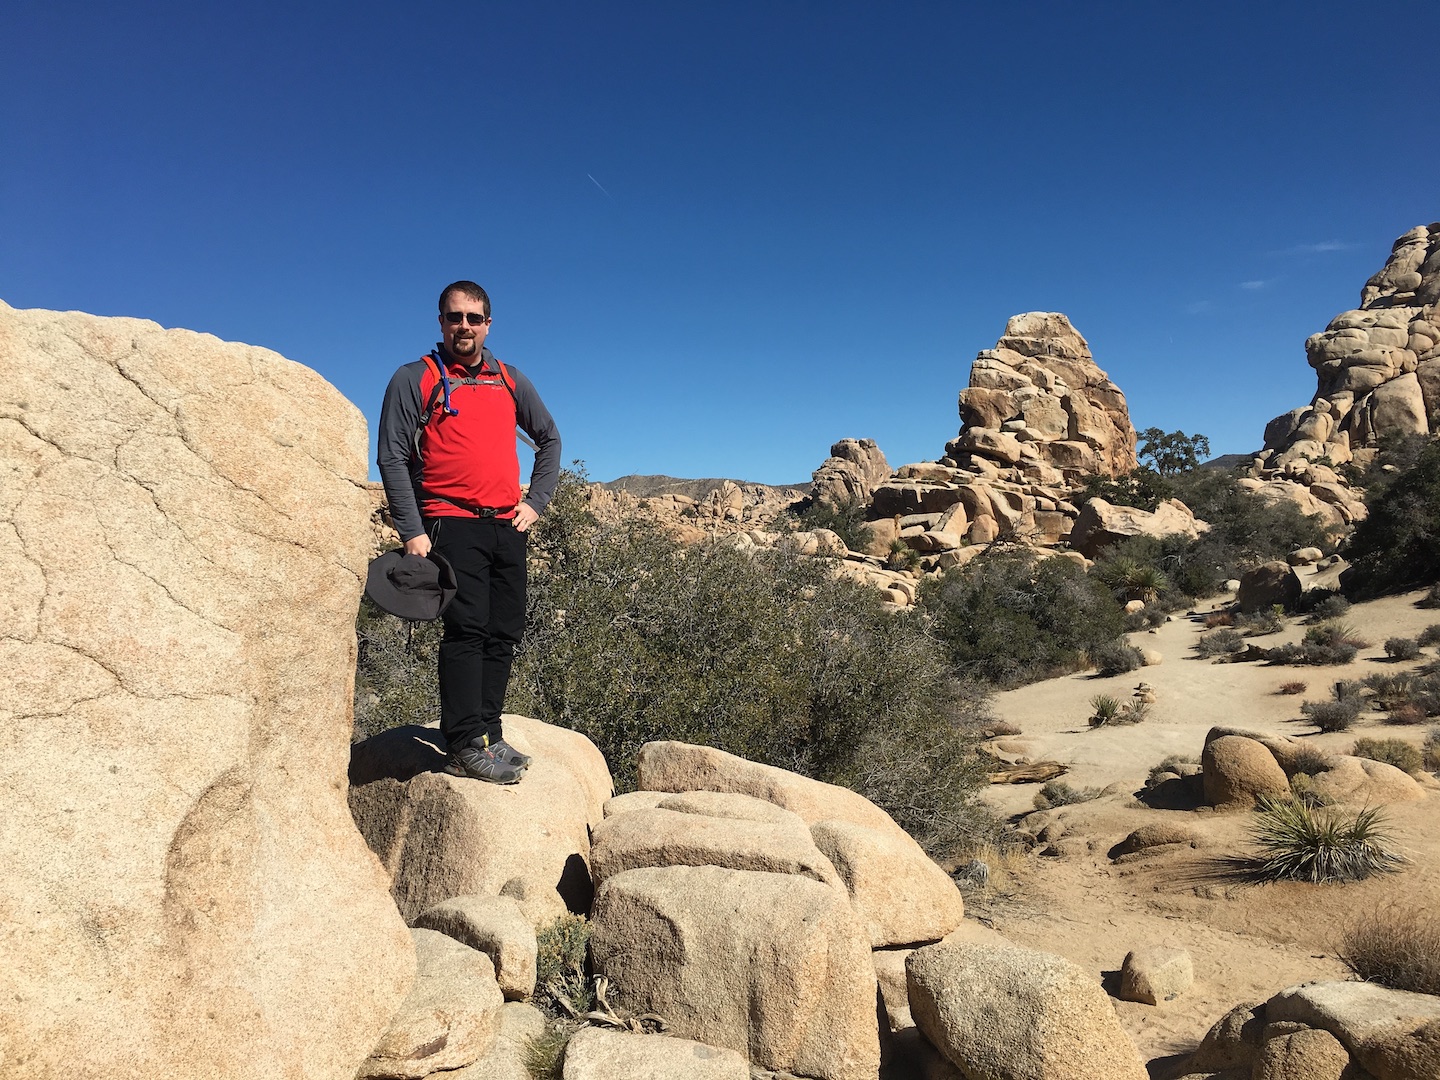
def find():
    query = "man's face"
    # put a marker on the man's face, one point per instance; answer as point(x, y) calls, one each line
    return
point(464, 338)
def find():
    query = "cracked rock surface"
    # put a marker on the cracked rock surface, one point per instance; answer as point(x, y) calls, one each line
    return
point(183, 530)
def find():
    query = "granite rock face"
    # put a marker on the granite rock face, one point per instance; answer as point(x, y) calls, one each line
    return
point(1377, 367)
point(184, 527)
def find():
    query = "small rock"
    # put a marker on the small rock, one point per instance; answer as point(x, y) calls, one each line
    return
point(1156, 974)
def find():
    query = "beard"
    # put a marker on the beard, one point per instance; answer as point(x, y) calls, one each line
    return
point(465, 346)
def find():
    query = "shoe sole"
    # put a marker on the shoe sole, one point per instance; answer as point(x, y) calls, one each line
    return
point(461, 771)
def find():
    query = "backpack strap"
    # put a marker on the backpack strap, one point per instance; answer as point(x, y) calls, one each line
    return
point(440, 394)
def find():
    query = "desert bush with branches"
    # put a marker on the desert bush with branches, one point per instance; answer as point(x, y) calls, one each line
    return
point(1396, 946)
point(1333, 715)
point(1397, 752)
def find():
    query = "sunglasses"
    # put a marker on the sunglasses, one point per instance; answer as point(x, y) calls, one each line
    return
point(474, 318)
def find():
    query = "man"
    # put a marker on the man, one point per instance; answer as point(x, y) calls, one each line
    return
point(452, 478)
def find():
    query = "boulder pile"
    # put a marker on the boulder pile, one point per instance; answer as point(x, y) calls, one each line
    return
point(751, 913)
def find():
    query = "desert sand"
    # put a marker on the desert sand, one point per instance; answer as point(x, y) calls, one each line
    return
point(1247, 940)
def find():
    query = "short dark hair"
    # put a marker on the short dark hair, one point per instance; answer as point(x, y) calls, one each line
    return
point(465, 288)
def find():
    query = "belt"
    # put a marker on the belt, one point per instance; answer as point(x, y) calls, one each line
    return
point(478, 511)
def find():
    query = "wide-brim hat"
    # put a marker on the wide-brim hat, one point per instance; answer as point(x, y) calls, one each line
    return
point(416, 587)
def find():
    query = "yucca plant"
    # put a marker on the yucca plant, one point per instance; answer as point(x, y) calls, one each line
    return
point(1106, 708)
point(1321, 845)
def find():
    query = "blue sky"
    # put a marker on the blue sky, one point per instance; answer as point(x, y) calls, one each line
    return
point(720, 236)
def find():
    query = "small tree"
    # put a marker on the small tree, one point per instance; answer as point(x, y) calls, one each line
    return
point(1174, 452)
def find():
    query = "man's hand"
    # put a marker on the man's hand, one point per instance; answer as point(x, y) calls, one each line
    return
point(418, 545)
point(525, 516)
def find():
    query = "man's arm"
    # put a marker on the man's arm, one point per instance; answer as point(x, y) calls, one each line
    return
point(399, 417)
point(535, 420)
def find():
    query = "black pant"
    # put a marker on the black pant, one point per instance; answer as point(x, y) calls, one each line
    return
point(483, 624)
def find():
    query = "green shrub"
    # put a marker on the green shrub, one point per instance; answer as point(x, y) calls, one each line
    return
point(901, 556)
point(1396, 946)
point(1397, 546)
point(1309, 653)
point(1333, 632)
point(544, 1056)
point(1009, 618)
point(1430, 635)
point(1395, 752)
point(1302, 843)
point(1116, 657)
point(1220, 642)
point(1260, 623)
point(1333, 715)
point(1058, 793)
point(561, 973)
point(1431, 599)
point(1245, 531)
point(1432, 750)
point(1326, 606)
point(633, 637)
point(1401, 648)
point(846, 520)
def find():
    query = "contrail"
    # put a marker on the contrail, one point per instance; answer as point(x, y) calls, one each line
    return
point(601, 187)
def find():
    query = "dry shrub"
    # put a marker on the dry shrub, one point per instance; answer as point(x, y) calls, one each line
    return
point(1220, 642)
point(1294, 686)
point(1407, 714)
point(1402, 648)
point(1058, 793)
point(1432, 750)
point(1309, 760)
point(1333, 715)
point(1429, 636)
point(1395, 752)
point(1001, 727)
point(1218, 619)
point(1396, 946)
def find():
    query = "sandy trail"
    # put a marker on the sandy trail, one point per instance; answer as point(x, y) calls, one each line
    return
point(1247, 941)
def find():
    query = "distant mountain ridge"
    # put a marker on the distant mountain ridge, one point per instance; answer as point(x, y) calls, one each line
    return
point(646, 486)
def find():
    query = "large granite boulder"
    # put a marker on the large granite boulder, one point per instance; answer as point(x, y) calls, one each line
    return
point(774, 966)
point(902, 896)
point(441, 836)
point(1101, 524)
point(661, 836)
point(1001, 1012)
point(184, 529)
point(1239, 772)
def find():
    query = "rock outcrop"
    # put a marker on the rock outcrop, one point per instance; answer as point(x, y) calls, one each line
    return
point(183, 535)
point(850, 473)
point(1038, 399)
point(1377, 367)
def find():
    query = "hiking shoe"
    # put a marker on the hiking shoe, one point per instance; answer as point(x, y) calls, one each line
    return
point(482, 762)
point(510, 755)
